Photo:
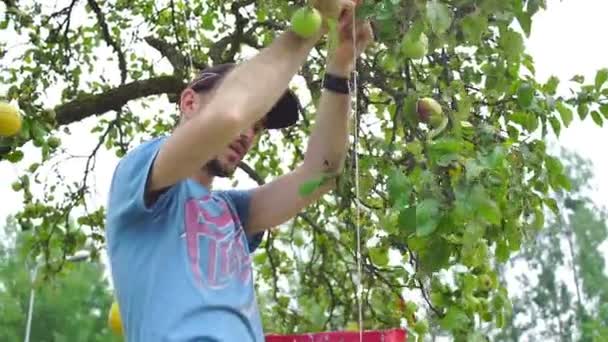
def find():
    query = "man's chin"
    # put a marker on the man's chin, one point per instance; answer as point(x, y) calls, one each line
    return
point(217, 169)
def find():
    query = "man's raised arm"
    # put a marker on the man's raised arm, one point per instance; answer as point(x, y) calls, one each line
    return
point(243, 97)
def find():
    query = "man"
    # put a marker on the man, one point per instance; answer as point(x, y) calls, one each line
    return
point(180, 251)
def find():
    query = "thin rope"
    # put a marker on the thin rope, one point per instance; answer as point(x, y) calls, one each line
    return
point(355, 149)
point(357, 204)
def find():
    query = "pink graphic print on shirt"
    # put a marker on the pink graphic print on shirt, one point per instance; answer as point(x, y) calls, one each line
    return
point(226, 256)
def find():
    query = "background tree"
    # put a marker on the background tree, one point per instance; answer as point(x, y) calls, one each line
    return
point(549, 305)
point(69, 307)
point(439, 203)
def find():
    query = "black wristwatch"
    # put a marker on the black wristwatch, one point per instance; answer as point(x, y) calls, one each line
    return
point(339, 84)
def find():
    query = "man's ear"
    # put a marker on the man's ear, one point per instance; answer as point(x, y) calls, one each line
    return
point(189, 103)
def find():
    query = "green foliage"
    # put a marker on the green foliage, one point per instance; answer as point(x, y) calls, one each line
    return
point(441, 205)
point(565, 285)
point(72, 306)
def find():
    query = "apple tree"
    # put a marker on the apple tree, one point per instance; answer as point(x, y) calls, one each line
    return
point(564, 284)
point(444, 195)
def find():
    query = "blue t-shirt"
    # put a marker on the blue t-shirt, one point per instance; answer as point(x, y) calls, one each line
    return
point(181, 267)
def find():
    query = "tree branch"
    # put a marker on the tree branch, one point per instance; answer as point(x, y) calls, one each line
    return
point(177, 60)
point(113, 99)
point(10, 4)
point(122, 62)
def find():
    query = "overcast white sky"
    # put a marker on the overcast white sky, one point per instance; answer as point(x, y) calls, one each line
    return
point(568, 39)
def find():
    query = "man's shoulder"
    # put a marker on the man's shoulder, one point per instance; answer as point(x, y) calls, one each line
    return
point(138, 156)
point(147, 145)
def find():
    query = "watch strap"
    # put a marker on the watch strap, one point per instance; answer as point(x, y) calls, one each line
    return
point(338, 84)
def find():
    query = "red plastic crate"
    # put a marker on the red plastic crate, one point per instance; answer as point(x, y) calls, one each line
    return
point(394, 335)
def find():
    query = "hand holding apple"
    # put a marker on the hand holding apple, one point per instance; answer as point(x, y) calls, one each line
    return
point(308, 21)
point(332, 9)
point(341, 59)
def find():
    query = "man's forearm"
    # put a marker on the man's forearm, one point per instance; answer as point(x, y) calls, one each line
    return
point(328, 141)
point(254, 86)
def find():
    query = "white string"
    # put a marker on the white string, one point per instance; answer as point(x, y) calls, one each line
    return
point(357, 204)
point(355, 149)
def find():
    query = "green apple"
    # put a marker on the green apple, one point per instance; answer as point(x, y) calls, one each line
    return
point(421, 327)
point(415, 48)
point(306, 22)
point(53, 142)
point(429, 111)
point(17, 186)
point(485, 282)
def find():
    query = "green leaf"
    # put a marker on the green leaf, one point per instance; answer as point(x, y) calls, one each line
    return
point(554, 165)
point(474, 169)
point(473, 26)
point(583, 110)
point(365, 10)
point(512, 44)
point(446, 146)
point(454, 319)
point(379, 256)
point(472, 234)
point(604, 110)
point(488, 209)
point(578, 79)
point(435, 255)
point(310, 186)
point(552, 204)
point(438, 15)
point(427, 217)
point(525, 95)
point(407, 219)
point(525, 21)
point(476, 336)
point(528, 120)
point(551, 86)
point(399, 187)
point(539, 219)
point(555, 125)
point(564, 182)
point(600, 78)
point(565, 113)
point(502, 251)
point(597, 118)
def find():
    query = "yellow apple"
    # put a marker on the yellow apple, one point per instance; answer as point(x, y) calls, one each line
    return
point(10, 120)
point(114, 320)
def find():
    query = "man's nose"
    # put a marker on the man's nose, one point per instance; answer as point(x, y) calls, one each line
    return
point(247, 135)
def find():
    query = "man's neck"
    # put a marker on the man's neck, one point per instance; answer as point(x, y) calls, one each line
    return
point(204, 178)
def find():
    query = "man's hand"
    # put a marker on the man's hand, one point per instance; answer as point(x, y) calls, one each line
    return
point(341, 59)
point(331, 9)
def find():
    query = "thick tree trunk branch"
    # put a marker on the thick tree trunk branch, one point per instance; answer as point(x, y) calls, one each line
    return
point(116, 98)
point(169, 51)
point(113, 99)
point(10, 3)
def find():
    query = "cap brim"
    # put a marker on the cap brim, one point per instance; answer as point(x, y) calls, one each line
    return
point(285, 112)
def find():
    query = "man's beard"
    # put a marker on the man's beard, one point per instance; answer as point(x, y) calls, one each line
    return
point(216, 169)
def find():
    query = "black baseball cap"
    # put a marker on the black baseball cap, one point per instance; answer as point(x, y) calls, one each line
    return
point(285, 112)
